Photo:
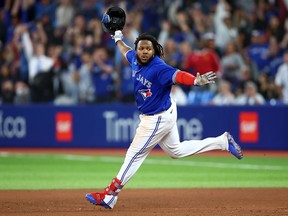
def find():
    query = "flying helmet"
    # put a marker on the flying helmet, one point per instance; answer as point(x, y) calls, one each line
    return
point(113, 19)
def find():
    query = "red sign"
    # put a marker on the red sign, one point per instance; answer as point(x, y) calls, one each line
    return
point(64, 132)
point(249, 130)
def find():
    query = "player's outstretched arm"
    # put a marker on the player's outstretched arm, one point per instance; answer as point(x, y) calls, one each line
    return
point(123, 47)
point(185, 78)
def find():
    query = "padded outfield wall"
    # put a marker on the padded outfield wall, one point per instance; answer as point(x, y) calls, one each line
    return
point(113, 125)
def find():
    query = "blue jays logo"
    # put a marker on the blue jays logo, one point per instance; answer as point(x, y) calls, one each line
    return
point(145, 93)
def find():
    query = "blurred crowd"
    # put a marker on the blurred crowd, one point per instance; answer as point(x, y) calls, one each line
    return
point(55, 51)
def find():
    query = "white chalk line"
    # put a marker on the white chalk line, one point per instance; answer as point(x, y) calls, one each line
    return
point(165, 162)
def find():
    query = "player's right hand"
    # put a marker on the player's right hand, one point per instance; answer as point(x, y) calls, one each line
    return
point(206, 78)
point(117, 36)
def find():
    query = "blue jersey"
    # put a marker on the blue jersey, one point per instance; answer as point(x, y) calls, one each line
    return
point(152, 84)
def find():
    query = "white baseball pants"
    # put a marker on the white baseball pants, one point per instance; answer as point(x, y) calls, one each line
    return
point(162, 129)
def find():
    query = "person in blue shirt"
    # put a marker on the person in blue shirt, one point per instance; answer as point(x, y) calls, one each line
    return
point(153, 80)
point(102, 76)
point(258, 50)
point(126, 88)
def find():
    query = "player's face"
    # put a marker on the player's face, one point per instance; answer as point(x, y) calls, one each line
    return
point(145, 51)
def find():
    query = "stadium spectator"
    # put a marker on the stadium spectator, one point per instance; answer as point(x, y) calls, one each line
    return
point(70, 81)
point(49, 34)
point(258, 49)
point(38, 61)
point(11, 18)
point(74, 49)
point(78, 27)
point(7, 92)
point(59, 68)
point(22, 93)
point(207, 41)
point(248, 6)
point(164, 33)
point(246, 76)
point(260, 12)
point(275, 29)
point(130, 34)
point(40, 74)
point(96, 32)
point(224, 30)
point(201, 23)
point(201, 61)
point(91, 9)
point(64, 13)
point(232, 63)
point(184, 32)
point(284, 42)
point(5, 73)
point(251, 96)
point(225, 95)
point(172, 56)
point(83, 78)
point(281, 79)
point(45, 8)
point(103, 76)
point(6, 84)
point(283, 10)
point(124, 91)
point(3, 30)
point(274, 57)
point(267, 87)
point(179, 95)
point(150, 17)
point(10, 60)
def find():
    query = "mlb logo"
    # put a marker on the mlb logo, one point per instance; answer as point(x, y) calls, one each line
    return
point(249, 127)
point(64, 132)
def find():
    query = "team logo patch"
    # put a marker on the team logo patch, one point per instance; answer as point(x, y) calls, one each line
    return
point(145, 93)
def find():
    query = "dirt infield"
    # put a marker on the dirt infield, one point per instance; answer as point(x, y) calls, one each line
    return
point(150, 202)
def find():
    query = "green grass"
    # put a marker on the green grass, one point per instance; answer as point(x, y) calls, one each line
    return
point(22, 171)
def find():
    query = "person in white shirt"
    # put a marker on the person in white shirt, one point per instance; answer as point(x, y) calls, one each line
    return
point(224, 95)
point(224, 29)
point(179, 96)
point(35, 55)
point(281, 78)
point(251, 96)
point(64, 13)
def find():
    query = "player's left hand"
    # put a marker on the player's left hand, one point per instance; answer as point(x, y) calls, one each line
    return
point(206, 78)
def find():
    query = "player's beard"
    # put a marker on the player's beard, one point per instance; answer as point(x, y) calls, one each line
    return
point(144, 63)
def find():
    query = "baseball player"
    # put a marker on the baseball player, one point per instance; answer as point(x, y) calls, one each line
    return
point(153, 80)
